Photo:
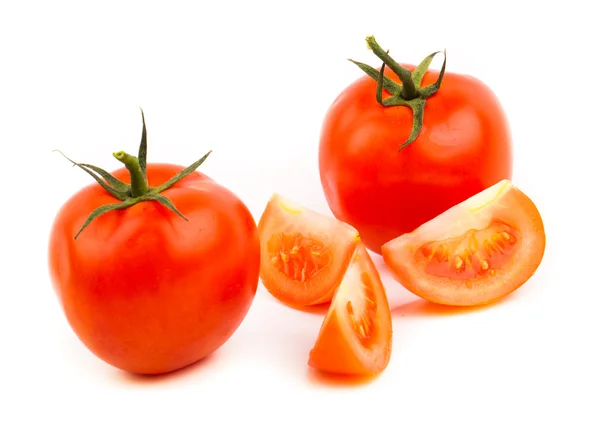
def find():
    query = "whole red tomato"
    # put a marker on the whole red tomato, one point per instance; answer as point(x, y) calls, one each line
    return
point(393, 156)
point(145, 289)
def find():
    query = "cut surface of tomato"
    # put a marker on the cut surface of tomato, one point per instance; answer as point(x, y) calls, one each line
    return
point(474, 253)
point(356, 335)
point(303, 253)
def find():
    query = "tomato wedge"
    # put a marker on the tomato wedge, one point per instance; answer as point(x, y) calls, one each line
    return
point(356, 335)
point(473, 253)
point(303, 253)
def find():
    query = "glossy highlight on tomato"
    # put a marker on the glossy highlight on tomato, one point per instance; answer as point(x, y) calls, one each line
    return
point(474, 253)
point(356, 335)
point(384, 187)
point(303, 253)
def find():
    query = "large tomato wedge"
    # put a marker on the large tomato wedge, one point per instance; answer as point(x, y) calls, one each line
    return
point(474, 253)
point(303, 253)
point(356, 335)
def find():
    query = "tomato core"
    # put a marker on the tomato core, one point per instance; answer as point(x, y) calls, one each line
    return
point(475, 253)
point(298, 257)
point(363, 319)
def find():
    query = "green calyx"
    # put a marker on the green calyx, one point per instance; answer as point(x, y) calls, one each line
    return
point(138, 191)
point(409, 93)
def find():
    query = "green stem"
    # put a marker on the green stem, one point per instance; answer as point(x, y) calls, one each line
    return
point(409, 93)
point(138, 191)
point(409, 90)
point(139, 184)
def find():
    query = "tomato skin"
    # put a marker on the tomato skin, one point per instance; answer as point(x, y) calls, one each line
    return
point(147, 291)
point(464, 147)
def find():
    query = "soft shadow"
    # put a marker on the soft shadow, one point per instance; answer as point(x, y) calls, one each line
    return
point(318, 377)
point(320, 310)
point(141, 379)
point(377, 260)
point(421, 307)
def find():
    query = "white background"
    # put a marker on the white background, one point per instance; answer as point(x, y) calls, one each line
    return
point(252, 81)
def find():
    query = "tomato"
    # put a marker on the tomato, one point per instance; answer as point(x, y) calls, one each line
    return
point(303, 253)
point(474, 253)
point(144, 289)
point(356, 335)
point(383, 183)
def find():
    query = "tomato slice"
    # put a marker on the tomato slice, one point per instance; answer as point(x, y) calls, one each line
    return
point(474, 253)
point(356, 335)
point(303, 253)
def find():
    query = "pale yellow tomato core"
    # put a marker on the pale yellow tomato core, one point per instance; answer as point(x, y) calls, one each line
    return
point(356, 298)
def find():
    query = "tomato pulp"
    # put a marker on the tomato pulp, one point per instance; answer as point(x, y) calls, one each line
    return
point(463, 147)
point(474, 253)
point(146, 290)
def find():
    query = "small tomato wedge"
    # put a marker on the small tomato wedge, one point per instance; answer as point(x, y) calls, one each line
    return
point(356, 335)
point(303, 253)
point(473, 253)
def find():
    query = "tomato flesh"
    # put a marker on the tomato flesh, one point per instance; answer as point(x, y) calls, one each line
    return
point(356, 335)
point(474, 253)
point(298, 257)
point(303, 253)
